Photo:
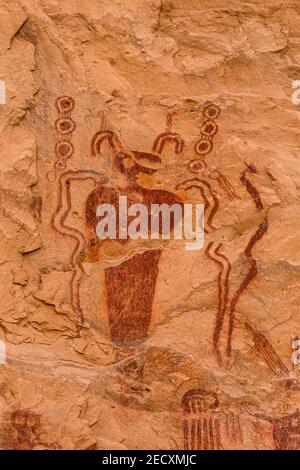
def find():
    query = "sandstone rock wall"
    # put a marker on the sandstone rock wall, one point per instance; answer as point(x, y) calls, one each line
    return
point(144, 344)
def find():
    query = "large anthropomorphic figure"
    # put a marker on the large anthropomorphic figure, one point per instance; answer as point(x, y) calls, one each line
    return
point(130, 284)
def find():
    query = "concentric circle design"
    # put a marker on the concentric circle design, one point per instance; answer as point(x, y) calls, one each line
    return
point(203, 147)
point(64, 149)
point(209, 128)
point(197, 166)
point(65, 104)
point(60, 165)
point(65, 125)
point(211, 111)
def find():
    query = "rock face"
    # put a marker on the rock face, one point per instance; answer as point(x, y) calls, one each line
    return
point(143, 344)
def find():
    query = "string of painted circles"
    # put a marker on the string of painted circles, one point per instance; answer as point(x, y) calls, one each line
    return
point(64, 126)
point(208, 130)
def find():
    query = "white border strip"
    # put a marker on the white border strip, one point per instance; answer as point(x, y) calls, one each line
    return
point(2, 92)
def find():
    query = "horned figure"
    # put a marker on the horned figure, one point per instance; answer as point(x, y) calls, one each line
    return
point(130, 284)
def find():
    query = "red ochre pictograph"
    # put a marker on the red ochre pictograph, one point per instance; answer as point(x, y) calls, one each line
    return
point(206, 425)
point(201, 426)
point(286, 429)
point(205, 182)
point(130, 286)
point(64, 126)
point(22, 429)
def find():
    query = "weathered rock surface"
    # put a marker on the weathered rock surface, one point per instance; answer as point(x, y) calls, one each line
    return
point(144, 344)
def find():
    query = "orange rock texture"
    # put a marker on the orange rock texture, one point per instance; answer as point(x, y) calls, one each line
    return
point(143, 344)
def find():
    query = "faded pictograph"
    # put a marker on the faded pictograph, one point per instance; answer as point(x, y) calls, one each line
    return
point(285, 426)
point(209, 424)
point(23, 429)
point(211, 184)
point(267, 352)
point(285, 429)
